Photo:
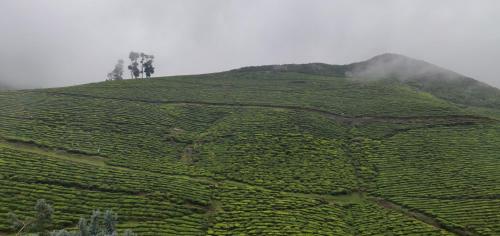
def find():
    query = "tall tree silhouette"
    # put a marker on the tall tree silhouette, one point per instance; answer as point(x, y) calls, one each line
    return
point(148, 66)
point(134, 65)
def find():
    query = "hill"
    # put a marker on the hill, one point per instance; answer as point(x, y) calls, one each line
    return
point(298, 149)
point(417, 74)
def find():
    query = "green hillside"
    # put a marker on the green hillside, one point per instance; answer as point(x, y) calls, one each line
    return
point(417, 74)
point(255, 151)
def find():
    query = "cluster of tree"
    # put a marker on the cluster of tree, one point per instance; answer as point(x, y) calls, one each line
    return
point(146, 63)
point(140, 64)
point(99, 224)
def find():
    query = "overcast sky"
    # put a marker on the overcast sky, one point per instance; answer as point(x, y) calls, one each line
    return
point(46, 43)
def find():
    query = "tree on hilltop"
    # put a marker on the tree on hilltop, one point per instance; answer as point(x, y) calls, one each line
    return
point(140, 64)
point(148, 65)
point(117, 73)
point(134, 65)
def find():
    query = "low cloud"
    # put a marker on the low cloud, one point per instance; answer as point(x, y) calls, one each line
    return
point(48, 43)
point(399, 66)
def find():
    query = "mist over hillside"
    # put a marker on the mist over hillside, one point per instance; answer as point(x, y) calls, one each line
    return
point(273, 150)
point(427, 77)
point(418, 74)
point(398, 66)
point(4, 86)
point(226, 117)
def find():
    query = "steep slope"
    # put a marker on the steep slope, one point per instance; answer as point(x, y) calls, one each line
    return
point(252, 152)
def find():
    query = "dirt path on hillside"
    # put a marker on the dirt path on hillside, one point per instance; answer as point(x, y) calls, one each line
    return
point(421, 217)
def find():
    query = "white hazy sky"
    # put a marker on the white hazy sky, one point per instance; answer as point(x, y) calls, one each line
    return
point(46, 43)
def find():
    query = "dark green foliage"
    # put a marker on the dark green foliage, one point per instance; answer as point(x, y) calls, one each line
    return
point(148, 67)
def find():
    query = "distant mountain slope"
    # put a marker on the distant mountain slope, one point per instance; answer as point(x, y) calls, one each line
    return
point(430, 78)
point(417, 74)
point(310, 68)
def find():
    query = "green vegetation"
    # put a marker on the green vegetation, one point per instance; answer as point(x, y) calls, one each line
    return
point(337, 95)
point(252, 152)
point(459, 166)
point(39, 223)
point(98, 224)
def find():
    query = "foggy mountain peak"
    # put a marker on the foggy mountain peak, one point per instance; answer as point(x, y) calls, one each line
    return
point(417, 74)
point(391, 65)
point(383, 66)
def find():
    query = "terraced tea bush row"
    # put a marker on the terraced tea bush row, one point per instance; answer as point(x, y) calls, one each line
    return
point(452, 161)
point(171, 137)
point(273, 148)
point(476, 215)
point(334, 94)
point(184, 225)
point(459, 166)
point(70, 204)
point(28, 167)
point(253, 211)
point(107, 128)
point(370, 219)
point(224, 169)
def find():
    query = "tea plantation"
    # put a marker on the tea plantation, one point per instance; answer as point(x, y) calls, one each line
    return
point(252, 153)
